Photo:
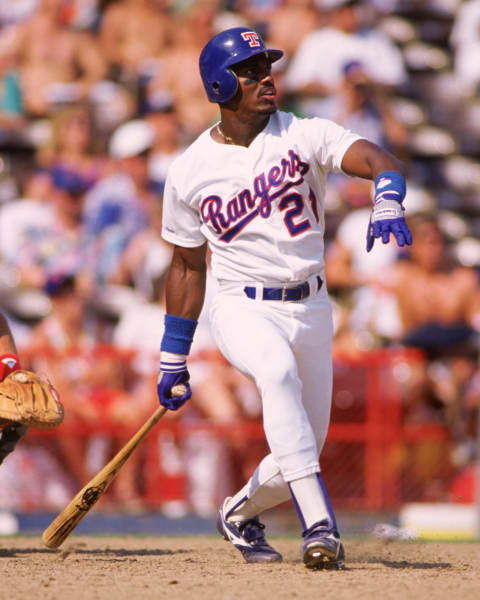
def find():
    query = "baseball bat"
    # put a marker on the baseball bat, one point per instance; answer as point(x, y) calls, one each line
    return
point(63, 525)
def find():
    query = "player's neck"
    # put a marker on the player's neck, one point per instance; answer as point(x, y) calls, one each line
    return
point(239, 133)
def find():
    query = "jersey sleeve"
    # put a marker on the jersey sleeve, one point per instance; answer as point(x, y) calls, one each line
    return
point(180, 221)
point(330, 141)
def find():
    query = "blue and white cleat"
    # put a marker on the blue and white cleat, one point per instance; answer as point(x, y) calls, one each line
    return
point(248, 537)
point(322, 548)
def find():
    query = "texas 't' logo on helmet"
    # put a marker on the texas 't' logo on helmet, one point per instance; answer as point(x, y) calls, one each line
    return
point(252, 38)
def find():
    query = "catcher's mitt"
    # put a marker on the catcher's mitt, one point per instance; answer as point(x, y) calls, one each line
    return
point(28, 399)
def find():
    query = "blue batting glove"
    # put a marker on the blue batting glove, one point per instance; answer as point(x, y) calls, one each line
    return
point(173, 371)
point(388, 212)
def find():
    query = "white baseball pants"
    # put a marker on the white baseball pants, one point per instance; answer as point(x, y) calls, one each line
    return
point(286, 349)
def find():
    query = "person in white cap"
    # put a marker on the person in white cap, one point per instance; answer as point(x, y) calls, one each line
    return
point(316, 71)
point(116, 208)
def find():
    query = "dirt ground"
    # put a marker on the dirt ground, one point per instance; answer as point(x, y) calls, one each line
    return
point(117, 568)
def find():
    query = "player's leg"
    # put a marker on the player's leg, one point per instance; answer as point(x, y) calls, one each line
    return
point(313, 348)
point(255, 342)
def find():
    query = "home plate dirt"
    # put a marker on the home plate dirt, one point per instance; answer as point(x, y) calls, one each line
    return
point(118, 568)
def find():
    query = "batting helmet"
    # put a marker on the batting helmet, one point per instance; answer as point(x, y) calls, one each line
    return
point(228, 48)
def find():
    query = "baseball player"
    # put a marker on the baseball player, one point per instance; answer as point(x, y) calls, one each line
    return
point(252, 188)
point(26, 400)
point(12, 433)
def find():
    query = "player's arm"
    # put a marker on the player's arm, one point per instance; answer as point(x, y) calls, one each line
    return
point(185, 294)
point(10, 433)
point(367, 160)
point(186, 279)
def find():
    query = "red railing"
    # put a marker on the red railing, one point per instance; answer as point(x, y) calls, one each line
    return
point(362, 459)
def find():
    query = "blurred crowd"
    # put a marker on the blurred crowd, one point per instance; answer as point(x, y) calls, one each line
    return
point(97, 97)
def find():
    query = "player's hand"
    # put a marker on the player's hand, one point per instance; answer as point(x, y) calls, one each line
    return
point(386, 218)
point(388, 215)
point(170, 375)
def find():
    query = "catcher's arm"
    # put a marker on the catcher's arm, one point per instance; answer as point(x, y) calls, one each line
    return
point(22, 398)
point(28, 399)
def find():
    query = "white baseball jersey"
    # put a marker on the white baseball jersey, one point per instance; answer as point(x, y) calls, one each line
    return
point(260, 208)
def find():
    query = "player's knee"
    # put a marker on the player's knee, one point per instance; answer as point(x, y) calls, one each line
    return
point(282, 377)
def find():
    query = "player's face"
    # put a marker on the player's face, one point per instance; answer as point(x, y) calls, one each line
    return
point(256, 86)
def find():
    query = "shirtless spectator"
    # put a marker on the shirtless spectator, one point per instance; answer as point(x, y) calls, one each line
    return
point(56, 64)
point(439, 302)
point(133, 34)
point(193, 28)
point(439, 307)
point(279, 21)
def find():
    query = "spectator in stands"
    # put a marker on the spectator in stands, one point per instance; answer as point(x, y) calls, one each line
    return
point(168, 142)
point(133, 35)
point(440, 314)
point(11, 100)
point(441, 308)
point(56, 64)
point(316, 72)
point(71, 347)
point(70, 145)
point(59, 244)
point(146, 257)
point(193, 28)
point(363, 107)
point(465, 41)
point(20, 218)
point(116, 208)
point(360, 281)
point(278, 19)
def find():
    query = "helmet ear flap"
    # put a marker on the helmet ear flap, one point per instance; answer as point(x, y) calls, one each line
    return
point(224, 87)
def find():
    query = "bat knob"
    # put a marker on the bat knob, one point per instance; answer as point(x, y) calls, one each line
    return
point(179, 390)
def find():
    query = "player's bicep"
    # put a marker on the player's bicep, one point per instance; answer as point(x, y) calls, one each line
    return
point(330, 142)
point(365, 159)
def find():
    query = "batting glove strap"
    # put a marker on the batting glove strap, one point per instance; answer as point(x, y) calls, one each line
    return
point(387, 209)
point(390, 185)
point(387, 218)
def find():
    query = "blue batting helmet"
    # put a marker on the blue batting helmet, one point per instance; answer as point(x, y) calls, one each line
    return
point(228, 48)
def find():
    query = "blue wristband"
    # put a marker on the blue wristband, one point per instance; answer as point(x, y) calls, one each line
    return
point(390, 184)
point(178, 335)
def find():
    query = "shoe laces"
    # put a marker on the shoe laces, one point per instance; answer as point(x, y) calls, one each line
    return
point(324, 527)
point(252, 531)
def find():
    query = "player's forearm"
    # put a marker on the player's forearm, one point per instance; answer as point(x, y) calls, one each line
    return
point(7, 345)
point(367, 160)
point(185, 291)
